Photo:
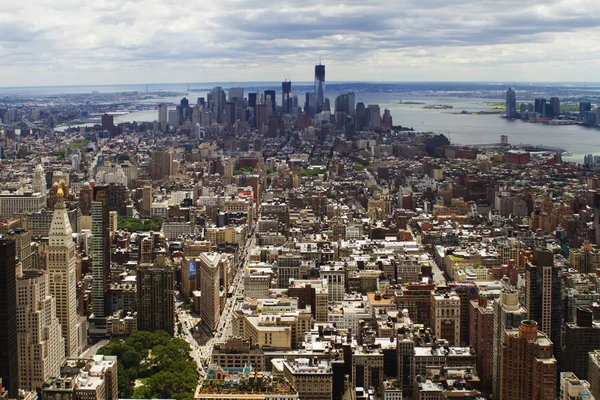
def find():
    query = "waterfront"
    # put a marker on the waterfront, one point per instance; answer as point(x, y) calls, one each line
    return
point(466, 129)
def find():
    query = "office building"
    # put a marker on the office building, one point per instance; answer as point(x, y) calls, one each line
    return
point(163, 116)
point(270, 100)
point(580, 338)
point(209, 266)
point(584, 106)
point(555, 103)
point(8, 316)
point(22, 240)
point(38, 183)
point(313, 380)
point(508, 314)
point(230, 112)
point(481, 339)
point(20, 202)
point(311, 105)
point(594, 373)
point(156, 295)
point(286, 100)
point(573, 388)
point(320, 85)
point(543, 295)
point(445, 317)
point(100, 252)
point(373, 116)
point(61, 262)
point(161, 164)
point(40, 345)
point(527, 367)
point(511, 103)
point(108, 123)
point(218, 103)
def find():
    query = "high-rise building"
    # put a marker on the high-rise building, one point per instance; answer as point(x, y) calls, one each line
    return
point(218, 103)
point(574, 388)
point(161, 164)
point(210, 266)
point(445, 317)
point(230, 112)
point(511, 103)
point(555, 103)
point(597, 217)
point(543, 296)
point(581, 337)
point(156, 295)
point(8, 316)
point(508, 314)
point(271, 101)
point(320, 85)
point(311, 104)
point(286, 100)
point(40, 345)
point(527, 367)
point(163, 116)
point(39, 180)
point(584, 106)
point(108, 123)
point(61, 261)
point(594, 373)
point(360, 118)
point(100, 252)
point(481, 338)
point(374, 116)
point(22, 240)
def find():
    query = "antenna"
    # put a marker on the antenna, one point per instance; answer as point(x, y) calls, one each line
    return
point(319, 60)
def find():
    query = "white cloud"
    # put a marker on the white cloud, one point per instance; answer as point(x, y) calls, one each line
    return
point(48, 42)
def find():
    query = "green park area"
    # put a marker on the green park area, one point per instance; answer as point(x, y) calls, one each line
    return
point(153, 365)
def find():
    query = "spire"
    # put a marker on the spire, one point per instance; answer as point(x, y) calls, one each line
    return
point(60, 228)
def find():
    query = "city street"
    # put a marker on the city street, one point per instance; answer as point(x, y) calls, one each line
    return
point(201, 353)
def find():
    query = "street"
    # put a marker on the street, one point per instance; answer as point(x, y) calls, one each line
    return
point(202, 353)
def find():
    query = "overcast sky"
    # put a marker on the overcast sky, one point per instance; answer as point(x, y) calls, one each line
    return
point(72, 42)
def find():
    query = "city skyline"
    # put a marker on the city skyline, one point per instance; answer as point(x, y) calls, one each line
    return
point(153, 41)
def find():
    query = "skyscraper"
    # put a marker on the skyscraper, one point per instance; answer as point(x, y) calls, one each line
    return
point(163, 116)
point(156, 295)
point(161, 164)
point(39, 180)
point(40, 345)
point(218, 103)
point(555, 103)
point(320, 85)
point(271, 101)
point(210, 309)
point(543, 295)
point(581, 338)
point(286, 101)
point(8, 316)
point(61, 265)
point(527, 367)
point(100, 252)
point(508, 314)
point(511, 103)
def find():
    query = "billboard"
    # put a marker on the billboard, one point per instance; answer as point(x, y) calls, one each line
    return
point(192, 270)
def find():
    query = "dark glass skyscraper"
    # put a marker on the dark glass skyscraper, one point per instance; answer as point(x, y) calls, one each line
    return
point(511, 103)
point(286, 101)
point(320, 85)
point(8, 316)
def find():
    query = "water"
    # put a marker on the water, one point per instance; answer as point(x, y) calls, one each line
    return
point(464, 129)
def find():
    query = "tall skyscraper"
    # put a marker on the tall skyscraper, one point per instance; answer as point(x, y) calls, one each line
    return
point(320, 85)
point(270, 101)
point(156, 295)
point(8, 316)
point(310, 105)
point(161, 164)
point(40, 345)
point(209, 265)
point(39, 180)
point(555, 103)
point(100, 252)
point(163, 116)
point(511, 103)
point(581, 338)
point(527, 367)
point(218, 103)
point(61, 264)
point(286, 100)
point(508, 314)
point(543, 295)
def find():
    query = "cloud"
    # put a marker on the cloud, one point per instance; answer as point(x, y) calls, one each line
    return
point(138, 41)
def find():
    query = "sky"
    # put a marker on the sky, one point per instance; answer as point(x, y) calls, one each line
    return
point(72, 42)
